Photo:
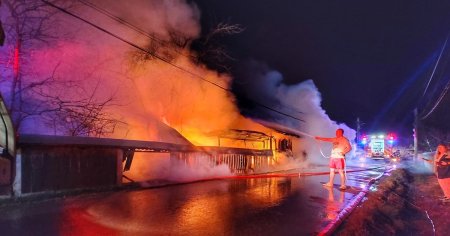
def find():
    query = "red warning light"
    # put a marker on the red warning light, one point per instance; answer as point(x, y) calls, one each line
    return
point(364, 139)
point(391, 136)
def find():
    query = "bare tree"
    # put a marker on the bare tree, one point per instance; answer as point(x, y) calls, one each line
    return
point(80, 113)
point(210, 51)
point(25, 27)
point(155, 49)
point(31, 25)
point(166, 50)
point(432, 136)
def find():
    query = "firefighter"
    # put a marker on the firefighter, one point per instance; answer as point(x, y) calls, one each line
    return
point(341, 146)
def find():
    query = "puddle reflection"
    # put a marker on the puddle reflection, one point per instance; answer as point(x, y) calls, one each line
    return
point(334, 203)
point(206, 208)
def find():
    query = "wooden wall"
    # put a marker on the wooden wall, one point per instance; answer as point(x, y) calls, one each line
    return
point(54, 168)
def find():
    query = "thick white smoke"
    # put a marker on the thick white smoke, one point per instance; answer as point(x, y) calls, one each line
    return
point(151, 96)
point(302, 100)
point(159, 17)
point(104, 66)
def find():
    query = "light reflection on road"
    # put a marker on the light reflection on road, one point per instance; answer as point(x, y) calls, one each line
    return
point(261, 206)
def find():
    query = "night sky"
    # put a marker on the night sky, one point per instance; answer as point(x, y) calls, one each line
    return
point(368, 59)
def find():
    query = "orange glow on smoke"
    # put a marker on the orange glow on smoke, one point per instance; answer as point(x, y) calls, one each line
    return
point(196, 109)
point(200, 139)
point(155, 100)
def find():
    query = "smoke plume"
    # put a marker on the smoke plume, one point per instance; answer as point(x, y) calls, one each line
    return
point(303, 101)
point(158, 92)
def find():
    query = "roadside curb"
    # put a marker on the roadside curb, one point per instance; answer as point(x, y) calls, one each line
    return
point(345, 212)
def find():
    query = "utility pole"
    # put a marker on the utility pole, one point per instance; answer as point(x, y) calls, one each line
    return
point(416, 129)
point(2, 35)
point(2, 32)
point(358, 129)
point(359, 125)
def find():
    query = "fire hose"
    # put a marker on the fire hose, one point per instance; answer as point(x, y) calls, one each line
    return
point(274, 175)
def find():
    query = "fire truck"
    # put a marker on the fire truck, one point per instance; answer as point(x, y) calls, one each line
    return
point(378, 145)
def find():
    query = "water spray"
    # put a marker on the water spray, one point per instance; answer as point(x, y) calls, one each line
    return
point(317, 143)
point(306, 134)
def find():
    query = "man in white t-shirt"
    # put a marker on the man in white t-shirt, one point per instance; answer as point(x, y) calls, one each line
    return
point(341, 146)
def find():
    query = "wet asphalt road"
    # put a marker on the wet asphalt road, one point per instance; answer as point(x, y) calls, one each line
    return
point(247, 206)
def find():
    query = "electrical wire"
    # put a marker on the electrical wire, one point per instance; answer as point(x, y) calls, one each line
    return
point(142, 32)
point(444, 92)
point(133, 44)
point(161, 58)
point(414, 205)
point(438, 101)
point(162, 42)
point(126, 23)
point(435, 66)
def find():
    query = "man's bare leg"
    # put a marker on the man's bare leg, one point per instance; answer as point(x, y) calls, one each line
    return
point(342, 174)
point(331, 181)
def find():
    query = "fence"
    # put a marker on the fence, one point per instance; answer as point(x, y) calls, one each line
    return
point(240, 161)
point(51, 163)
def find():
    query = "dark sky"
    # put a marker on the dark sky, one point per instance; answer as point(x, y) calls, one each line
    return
point(369, 59)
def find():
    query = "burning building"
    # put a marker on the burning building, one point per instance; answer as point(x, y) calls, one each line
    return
point(126, 72)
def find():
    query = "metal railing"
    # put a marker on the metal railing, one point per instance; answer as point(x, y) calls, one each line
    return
point(239, 161)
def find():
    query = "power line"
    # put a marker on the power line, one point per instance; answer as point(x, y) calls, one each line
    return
point(126, 23)
point(444, 91)
point(142, 32)
point(160, 58)
point(139, 30)
point(435, 66)
point(438, 101)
